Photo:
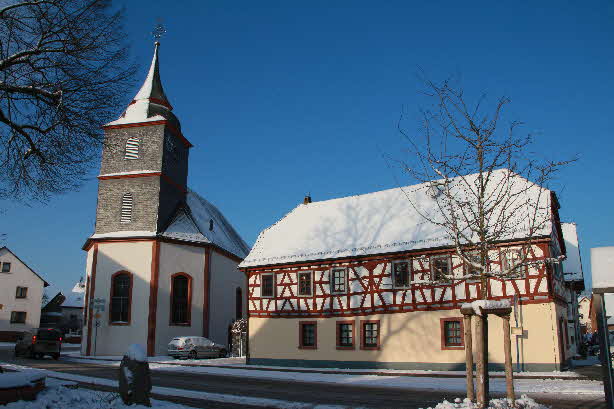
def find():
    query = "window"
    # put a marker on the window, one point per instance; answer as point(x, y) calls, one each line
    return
point(121, 294)
point(6, 267)
point(370, 334)
point(338, 280)
point(475, 257)
point(22, 292)
point(308, 335)
point(126, 211)
point(452, 333)
point(266, 285)
point(304, 283)
point(510, 258)
point(400, 272)
point(238, 303)
point(181, 303)
point(132, 148)
point(440, 267)
point(18, 317)
point(345, 335)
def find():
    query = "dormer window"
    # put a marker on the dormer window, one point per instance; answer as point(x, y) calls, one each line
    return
point(126, 211)
point(132, 148)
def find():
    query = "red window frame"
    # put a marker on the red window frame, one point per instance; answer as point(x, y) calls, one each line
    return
point(338, 338)
point(305, 273)
point(444, 344)
point(345, 280)
point(301, 324)
point(188, 321)
point(363, 345)
point(111, 322)
point(272, 275)
point(408, 273)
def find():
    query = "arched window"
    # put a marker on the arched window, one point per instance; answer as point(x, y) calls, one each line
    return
point(126, 213)
point(121, 298)
point(239, 303)
point(132, 148)
point(181, 299)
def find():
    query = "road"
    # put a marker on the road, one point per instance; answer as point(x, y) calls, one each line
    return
point(292, 391)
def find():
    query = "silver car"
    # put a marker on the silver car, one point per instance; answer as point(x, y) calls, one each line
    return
point(195, 347)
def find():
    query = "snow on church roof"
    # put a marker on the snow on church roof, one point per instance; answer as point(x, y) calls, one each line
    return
point(373, 223)
point(203, 222)
point(150, 102)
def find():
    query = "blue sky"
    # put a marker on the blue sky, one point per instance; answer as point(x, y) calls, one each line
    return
point(284, 98)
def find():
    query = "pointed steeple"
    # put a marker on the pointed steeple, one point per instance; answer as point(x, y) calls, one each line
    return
point(150, 103)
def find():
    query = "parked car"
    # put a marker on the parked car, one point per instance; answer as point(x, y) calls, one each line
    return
point(38, 342)
point(195, 347)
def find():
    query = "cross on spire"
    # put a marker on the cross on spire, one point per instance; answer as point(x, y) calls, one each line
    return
point(158, 32)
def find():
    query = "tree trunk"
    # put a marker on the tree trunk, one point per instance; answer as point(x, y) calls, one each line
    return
point(481, 330)
point(507, 345)
point(469, 357)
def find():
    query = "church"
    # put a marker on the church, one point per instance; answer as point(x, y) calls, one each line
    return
point(162, 261)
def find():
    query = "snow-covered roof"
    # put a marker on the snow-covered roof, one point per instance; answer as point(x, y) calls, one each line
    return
point(150, 103)
point(74, 300)
point(572, 266)
point(202, 222)
point(377, 223)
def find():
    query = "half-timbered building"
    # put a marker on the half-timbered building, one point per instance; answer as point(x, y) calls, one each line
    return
point(352, 283)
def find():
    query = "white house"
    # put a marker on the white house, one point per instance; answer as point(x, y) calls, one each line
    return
point(21, 293)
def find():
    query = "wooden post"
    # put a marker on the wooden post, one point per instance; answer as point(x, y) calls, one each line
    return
point(469, 356)
point(507, 346)
point(604, 347)
point(481, 365)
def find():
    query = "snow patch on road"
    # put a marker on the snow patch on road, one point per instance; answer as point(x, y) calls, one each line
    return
point(523, 403)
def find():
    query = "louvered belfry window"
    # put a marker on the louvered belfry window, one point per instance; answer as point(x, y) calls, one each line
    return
point(132, 148)
point(126, 214)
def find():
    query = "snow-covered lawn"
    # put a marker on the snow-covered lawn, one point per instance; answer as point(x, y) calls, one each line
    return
point(59, 396)
point(557, 386)
point(523, 403)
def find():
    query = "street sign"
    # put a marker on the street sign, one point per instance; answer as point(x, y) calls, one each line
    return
point(98, 304)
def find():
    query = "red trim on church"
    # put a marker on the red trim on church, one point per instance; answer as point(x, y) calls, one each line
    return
point(88, 302)
point(153, 298)
point(170, 127)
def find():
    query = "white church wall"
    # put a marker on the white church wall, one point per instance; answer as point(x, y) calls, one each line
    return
point(179, 258)
point(134, 257)
point(225, 278)
point(88, 273)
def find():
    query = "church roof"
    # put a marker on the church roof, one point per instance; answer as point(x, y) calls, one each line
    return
point(375, 223)
point(200, 221)
point(150, 103)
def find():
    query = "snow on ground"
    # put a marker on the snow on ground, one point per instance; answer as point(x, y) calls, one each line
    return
point(175, 392)
point(558, 386)
point(63, 397)
point(523, 403)
point(7, 344)
point(19, 379)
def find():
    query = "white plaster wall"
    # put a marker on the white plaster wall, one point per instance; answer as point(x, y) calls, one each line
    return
point(19, 276)
point(134, 257)
point(225, 278)
point(179, 258)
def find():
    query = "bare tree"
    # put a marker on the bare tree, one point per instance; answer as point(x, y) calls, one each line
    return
point(63, 67)
point(483, 184)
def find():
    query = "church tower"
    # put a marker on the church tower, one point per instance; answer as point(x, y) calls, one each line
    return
point(144, 170)
point(162, 261)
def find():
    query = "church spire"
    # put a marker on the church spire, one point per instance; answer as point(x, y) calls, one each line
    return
point(150, 103)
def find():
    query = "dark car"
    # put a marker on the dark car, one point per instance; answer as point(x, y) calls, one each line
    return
point(195, 347)
point(38, 342)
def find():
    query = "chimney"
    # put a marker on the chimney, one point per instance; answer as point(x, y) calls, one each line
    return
point(307, 199)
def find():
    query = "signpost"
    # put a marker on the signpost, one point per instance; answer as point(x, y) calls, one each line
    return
point(602, 266)
point(98, 306)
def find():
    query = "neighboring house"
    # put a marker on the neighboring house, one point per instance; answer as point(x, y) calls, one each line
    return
point(347, 283)
point(162, 261)
point(574, 277)
point(65, 312)
point(21, 293)
point(584, 309)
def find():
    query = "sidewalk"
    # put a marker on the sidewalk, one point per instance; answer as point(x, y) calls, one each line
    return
point(239, 363)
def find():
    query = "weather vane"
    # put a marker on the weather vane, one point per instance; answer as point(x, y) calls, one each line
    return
point(158, 31)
